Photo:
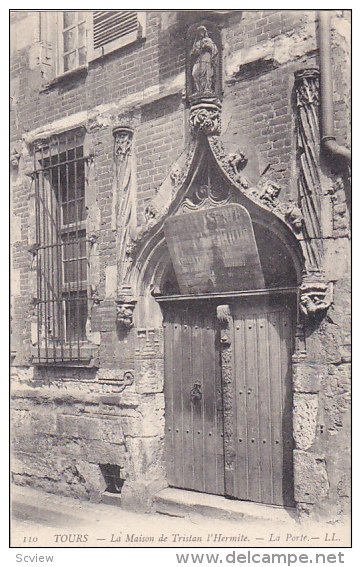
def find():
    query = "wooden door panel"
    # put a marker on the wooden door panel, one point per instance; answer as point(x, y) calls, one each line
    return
point(242, 489)
point(229, 405)
point(168, 394)
point(263, 348)
point(197, 405)
point(186, 416)
point(277, 403)
point(193, 401)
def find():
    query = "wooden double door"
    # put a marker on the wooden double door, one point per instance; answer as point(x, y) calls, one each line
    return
point(228, 397)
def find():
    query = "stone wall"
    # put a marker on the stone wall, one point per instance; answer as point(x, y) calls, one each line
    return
point(67, 422)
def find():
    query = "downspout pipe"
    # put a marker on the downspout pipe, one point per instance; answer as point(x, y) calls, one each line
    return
point(328, 140)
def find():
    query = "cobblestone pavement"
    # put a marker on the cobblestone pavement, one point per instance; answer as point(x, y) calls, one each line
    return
point(41, 519)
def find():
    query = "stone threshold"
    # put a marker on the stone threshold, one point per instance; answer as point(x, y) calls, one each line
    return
point(181, 503)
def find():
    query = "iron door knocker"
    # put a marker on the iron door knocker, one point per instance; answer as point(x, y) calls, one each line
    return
point(196, 393)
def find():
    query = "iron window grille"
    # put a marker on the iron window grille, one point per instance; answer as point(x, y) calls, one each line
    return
point(61, 247)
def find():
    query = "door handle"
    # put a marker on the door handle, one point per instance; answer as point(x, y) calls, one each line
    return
point(196, 393)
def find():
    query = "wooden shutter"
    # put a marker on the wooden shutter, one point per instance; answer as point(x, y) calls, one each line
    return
point(112, 29)
point(109, 25)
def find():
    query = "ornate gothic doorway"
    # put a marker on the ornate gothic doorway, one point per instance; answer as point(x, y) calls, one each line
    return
point(224, 264)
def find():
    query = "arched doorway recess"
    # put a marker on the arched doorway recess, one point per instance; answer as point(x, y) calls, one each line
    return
point(224, 265)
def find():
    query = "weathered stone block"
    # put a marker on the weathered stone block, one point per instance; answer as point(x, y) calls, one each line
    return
point(324, 343)
point(67, 425)
point(139, 495)
point(94, 480)
point(111, 282)
point(15, 283)
point(102, 452)
point(146, 456)
point(311, 480)
point(41, 466)
point(44, 423)
point(152, 413)
point(79, 427)
point(145, 421)
point(305, 410)
point(308, 377)
point(336, 258)
point(15, 229)
point(111, 430)
point(337, 396)
point(149, 376)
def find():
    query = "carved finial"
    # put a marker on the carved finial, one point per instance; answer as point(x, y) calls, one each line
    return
point(151, 213)
point(176, 174)
point(123, 136)
point(307, 87)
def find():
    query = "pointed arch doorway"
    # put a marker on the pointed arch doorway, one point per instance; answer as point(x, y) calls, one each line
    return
point(227, 284)
point(228, 384)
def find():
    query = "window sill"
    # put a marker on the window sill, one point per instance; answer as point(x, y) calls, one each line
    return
point(101, 52)
point(88, 358)
point(74, 73)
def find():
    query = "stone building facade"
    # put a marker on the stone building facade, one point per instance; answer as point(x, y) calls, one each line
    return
point(177, 113)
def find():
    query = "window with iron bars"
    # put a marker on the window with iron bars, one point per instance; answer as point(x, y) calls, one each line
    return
point(61, 246)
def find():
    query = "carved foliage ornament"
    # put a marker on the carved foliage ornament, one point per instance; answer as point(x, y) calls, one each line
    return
point(122, 142)
point(266, 193)
point(205, 197)
point(307, 87)
point(205, 117)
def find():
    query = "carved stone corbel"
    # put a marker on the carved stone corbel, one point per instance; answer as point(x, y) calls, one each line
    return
point(294, 217)
point(14, 159)
point(125, 308)
point(205, 117)
point(315, 296)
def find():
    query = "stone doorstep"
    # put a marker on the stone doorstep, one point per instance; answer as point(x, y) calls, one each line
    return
point(112, 499)
point(181, 503)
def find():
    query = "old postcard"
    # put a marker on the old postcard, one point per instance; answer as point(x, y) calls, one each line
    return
point(180, 256)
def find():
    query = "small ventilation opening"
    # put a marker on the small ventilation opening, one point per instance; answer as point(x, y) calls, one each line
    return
point(111, 475)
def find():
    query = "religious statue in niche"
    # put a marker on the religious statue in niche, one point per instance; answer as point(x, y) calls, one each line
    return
point(204, 62)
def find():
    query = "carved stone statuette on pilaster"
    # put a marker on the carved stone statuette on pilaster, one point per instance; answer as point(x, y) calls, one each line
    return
point(315, 296)
point(125, 308)
point(203, 78)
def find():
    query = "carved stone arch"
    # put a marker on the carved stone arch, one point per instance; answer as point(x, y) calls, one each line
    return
point(150, 255)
